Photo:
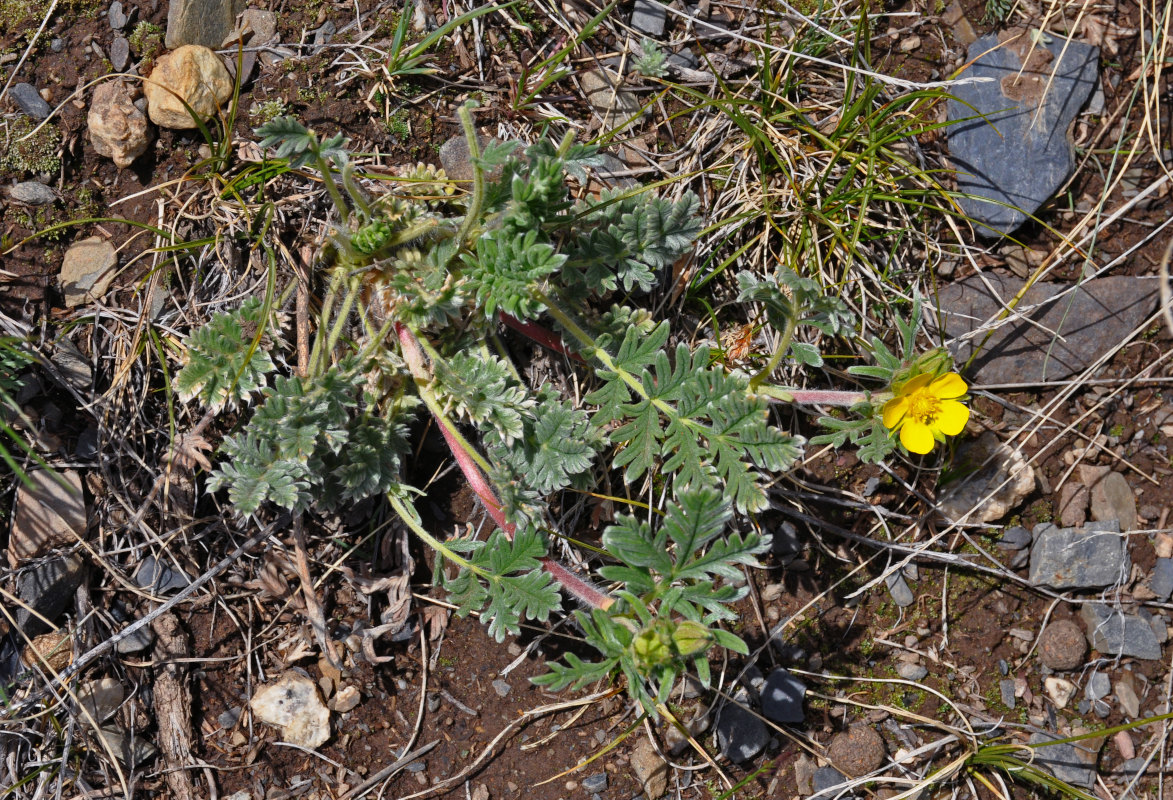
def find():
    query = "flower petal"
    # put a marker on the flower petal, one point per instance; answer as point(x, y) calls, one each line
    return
point(916, 437)
point(894, 411)
point(949, 386)
point(951, 417)
point(916, 384)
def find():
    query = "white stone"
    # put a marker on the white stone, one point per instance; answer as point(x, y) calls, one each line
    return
point(293, 705)
point(1060, 690)
point(192, 73)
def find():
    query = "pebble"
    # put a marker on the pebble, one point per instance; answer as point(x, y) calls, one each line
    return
point(1064, 761)
point(119, 53)
point(116, 16)
point(347, 699)
point(230, 717)
point(101, 698)
point(1006, 690)
point(782, 698)
point(29, 100)
point(160, 578)
point(649, 17)
point(204, 22)
point(1000, 481)
point(898, 588)
point(741, 735)
point(1062, 645)
point(785, 543)
point(1073, 505)
point(501, 687)
point(87, 270)
point(138, 641)
point(433, 703)
point(909, 44)
point(1090, 557)
point(1126, 695)
point(826, 782)
point(857, 751)
point(1016, 538)
point(1060, 690)
point(1161, 583)
point(50, 512)
point(1099, 686)
point(911, 672)
point(651, 771)
point(293, 705)
point(32, 193)
point(57, 45)
point(1111, 496)
point(595, 783)
point(1115, 633)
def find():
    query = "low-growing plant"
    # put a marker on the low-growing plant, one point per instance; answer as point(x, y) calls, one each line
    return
point(426, 278)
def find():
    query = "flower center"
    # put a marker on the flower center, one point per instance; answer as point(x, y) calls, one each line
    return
point(924, 406)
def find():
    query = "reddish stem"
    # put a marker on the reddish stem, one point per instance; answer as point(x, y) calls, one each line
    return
point(545, 338)
point(414, 356)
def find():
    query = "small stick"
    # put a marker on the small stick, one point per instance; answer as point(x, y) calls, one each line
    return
point(313, 608)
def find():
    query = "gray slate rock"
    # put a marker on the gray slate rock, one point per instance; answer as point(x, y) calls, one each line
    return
point(782, 698)
point(1078, 558)
point(740, 734)
point(595, 783)
point(1016, 538)
point(1014, 156)
point(898, 588)
point(32, 193)
point(29, 100)
point(1099, 686)
point(911, 672)
point(1006, 689)
point(117, 16)
point(119, 53)
point(649, 16)
point(501, 687)
point(1065, 762)
point(206, 22)
point(135, 643)
point(1161, 583)
point(1115, 633)
point(160, 578)
point(47, 588)
point(826, 782)
point(1089, 321)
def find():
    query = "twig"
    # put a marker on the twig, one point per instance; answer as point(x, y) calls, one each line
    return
point(313, 608)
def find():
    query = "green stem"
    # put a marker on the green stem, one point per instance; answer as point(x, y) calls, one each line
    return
point(331, 186)
point(473, 213)
point(783, 346)
point(316, 354)
point(354, 284)
point(355, 193)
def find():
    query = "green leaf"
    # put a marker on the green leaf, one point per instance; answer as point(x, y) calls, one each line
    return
point(226, 359)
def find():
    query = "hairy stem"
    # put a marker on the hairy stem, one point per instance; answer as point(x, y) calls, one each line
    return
point(783, 346)
point(473, 214)
point(331, 186)
point(816, 397)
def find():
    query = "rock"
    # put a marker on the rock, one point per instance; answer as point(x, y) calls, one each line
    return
point(685, 58)
point(1161, 582)
point(616, 105)
point(119, 53)
point(101, 698)
point(1073, 504)
point(1016, 538)
point(741, 735)
point(1062, 645)
point(1061, 337)
point(785, 544)
point(826, 782)
point(1078, 558)
point(595, 783)
point(131, 750)
point(1006, 690)
point(782, 698)
point(1008, 138)
point(262, 25)
point(1098, 686)
point(1112, 499)
point(87, 270)
point(200, 22)
point(118, 129)
point(649, 16)
point(195, 74)
point(455, 158)
point(50, 513)
point(29, 100)
point(47, 588)
point(910, 44)
point(323, 35)
point(501, 687)
point(695, 721)
point(137, 642)
point(347, 699)
point(74, 366)
point(1129, 702)
point(1060, 690)
point(1000, 479)
point(32, 193)
point(160, 578)
point(229, 717)
point(857, 751)
point(1115, 633)
point(898, 588)
point(651, 771)
point(292, 704)
point(1075, 764)
point(911, 672)
point(116, 16)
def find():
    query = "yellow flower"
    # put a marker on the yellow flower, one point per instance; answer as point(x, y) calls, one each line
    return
point(926, 410)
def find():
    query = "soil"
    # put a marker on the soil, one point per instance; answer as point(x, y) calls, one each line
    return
point(971, 629)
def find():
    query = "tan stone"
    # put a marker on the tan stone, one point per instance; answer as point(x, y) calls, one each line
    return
point(50, 512)
point(118, 129)
point(192, 73)
point(87, 270)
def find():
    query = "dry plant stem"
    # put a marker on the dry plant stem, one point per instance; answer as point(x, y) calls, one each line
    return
point(173, 706)
point(462, 452)
point(106, 646)
point(313, 608)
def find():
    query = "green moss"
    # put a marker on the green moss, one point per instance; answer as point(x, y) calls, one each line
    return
point(38, 153)
point(146, 39)
point(398, 126)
